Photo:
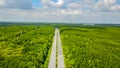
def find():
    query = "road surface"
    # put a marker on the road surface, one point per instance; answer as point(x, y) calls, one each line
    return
point(60, 59)
point(60, 53)
point(52, 62)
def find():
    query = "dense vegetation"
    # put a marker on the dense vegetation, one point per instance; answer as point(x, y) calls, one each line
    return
point(91, 47)
point(25, 46)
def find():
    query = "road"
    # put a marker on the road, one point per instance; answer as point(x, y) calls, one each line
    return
point(52, 62)
point(60, 59)
point(60, 53)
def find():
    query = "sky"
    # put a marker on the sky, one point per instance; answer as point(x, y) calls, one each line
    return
point(61, 11)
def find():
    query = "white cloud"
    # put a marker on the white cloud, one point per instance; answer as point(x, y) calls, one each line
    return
point(115, 7)
point(62, 11)
point(72, 12)
point(50, 3)
point(59, 3)
point(110, 1)
point(107, 1)
point(107, 6)
point(16, 4)
point(74, 6)
point(2, 2)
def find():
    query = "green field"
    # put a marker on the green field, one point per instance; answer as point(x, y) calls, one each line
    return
point(91, 47)
point(25, 46)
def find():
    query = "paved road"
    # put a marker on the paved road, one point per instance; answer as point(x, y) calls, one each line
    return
point(56, 42)
point(52, 62)
point(60, 53)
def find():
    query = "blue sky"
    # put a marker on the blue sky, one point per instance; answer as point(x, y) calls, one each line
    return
point(68, 11)
point(36, 3)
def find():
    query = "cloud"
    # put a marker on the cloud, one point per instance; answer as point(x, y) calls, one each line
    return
point(16, 4)
point(107, 2)
point(50, 3)
point(107, 6)
point(87, 11)
point(59, 3)
point(72, 12)
point(2, 2)
point(115, 8)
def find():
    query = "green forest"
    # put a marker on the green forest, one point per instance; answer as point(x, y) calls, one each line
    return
point(25, 46)
point(91, 47)
point(29, 46)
